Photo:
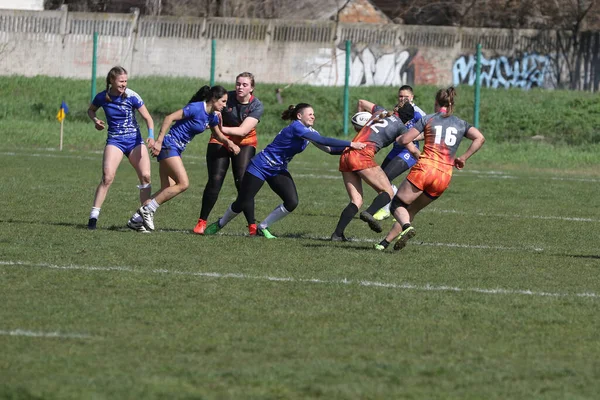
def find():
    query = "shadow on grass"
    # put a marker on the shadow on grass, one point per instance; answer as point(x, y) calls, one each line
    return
point(38, 222)
point(344, 245)
point(588, 256)
point(116, 228)
point(17, 393)
point(353, 243)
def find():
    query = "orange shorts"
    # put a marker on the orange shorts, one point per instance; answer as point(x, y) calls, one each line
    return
point(355, 160)
point(429, 179)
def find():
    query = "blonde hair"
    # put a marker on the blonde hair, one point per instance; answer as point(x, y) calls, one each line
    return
point(111, 76)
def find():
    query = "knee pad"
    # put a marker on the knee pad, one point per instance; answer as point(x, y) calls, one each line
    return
point(396, 202)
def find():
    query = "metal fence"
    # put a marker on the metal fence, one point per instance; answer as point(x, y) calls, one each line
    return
point(79, 23)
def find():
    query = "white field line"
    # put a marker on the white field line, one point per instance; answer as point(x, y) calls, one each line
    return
point(365, 240)
point(417, 243)
point(461, 174)
point(517, 216)
point(79, 157)
point(399, 286)
point(60, 335)
point(492, 174)
point(298, 165)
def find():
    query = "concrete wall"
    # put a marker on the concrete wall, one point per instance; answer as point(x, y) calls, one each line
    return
point(59, 43)
point(37, 5)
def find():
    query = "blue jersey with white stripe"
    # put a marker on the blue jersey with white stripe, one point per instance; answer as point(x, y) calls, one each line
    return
point(195, 120)
point(288, 142)
point(120, 112)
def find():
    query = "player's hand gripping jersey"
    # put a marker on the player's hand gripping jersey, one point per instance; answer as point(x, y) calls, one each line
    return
point(235, 113)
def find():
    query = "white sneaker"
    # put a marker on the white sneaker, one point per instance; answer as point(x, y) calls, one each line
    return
point(148, 217)
point(137, 226)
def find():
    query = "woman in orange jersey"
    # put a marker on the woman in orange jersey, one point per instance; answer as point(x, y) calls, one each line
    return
point(357, 165)
point(239, 119)
point(431, 175)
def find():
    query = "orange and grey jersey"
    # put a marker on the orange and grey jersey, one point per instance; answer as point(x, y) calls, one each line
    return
point(381, 133)
point(443, 135)
point(235, 113)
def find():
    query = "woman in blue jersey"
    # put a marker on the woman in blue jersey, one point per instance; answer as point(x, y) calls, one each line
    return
point(124, 138)
point(270, 165)
point(194, 118)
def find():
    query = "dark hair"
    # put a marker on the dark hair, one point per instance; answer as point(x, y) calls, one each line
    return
point(406, 87)
point(112, 75)
point(249, 76)
point(207, 93)
point(445, 98)
point(406, 112)
point(292, 111)
point(403, 109)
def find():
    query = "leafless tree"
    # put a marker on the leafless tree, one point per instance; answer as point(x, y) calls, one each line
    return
point(153, 7)
point(570, 18)
point(573, 15)
point(524, 14)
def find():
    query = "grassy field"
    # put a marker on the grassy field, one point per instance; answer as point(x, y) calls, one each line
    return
point(497, 296)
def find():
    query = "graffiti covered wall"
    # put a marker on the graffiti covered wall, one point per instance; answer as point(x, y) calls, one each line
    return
point(371, 66)
point(527, 71)
point(59, 43)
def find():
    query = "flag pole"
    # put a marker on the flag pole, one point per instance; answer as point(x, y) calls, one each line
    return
point(61, 133)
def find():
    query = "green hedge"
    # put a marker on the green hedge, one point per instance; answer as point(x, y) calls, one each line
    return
point(556, 117)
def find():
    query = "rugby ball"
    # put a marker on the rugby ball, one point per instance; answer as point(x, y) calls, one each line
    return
point(361, 118)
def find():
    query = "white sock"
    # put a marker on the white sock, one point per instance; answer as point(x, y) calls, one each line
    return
point(152, 206)
point(387, 206)
point(278, 213)
point(95, 212)
point(228, 216)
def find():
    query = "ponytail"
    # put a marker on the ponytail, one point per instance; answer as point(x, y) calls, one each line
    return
point(200, 95)
point(207, 93)
point(382, 115)
point(292, 111)
point(403, 109)
point(445, 98)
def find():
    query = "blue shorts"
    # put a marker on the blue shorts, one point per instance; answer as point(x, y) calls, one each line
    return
point(125, 143)
point(400, 151)
point(262, 172)
point(168, 150)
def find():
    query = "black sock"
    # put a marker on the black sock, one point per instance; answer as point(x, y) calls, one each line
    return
point(349, 212)
point(381, 200)
point(405, 227)
point(384, 243)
